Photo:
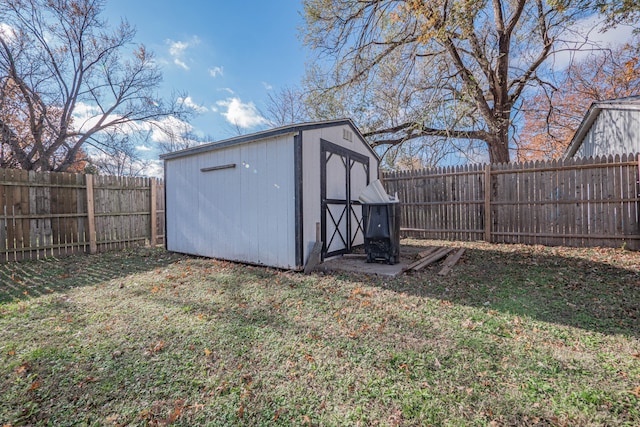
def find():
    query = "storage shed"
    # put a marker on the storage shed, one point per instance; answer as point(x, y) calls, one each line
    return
point(257, 198)
point(610, 127)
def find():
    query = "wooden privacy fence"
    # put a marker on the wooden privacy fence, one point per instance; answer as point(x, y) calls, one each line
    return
point(574, 202)
point(48, 214)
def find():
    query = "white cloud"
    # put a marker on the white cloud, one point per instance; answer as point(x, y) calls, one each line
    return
point(267, 86)
point(7, 31)
point(180, 63)
point(178, 49)
point(226, 89)
point(163, 130)
point(216, 71)
point(188, 102)
point(84, 111)
point(153, 169)
point(244, 115)
point(143, 148)
point(160, 130)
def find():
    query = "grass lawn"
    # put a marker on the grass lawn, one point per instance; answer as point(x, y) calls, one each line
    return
point(514, 335)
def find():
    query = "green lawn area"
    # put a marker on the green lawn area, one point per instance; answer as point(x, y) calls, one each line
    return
point(514, 335)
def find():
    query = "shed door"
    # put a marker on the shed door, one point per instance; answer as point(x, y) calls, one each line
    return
point(343, 176)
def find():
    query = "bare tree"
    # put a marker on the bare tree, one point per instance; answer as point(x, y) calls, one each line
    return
point(286, 106)
point(67, 78)
point(449, 69)
point(117, 155)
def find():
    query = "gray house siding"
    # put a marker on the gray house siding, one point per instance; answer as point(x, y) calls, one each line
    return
point(613, 132)
point(608, 128)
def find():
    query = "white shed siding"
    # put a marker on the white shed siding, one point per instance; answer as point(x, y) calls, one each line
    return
point(311, 173)
point(613, 132)
point(241, 214)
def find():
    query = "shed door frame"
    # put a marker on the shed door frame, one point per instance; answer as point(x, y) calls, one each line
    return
point(349, 160)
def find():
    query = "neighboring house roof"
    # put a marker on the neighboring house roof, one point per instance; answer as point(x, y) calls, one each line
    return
point(628, 103)
point(295, 128)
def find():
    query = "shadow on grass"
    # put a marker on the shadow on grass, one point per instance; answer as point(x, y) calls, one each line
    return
point(597, 289)
point(30, 279)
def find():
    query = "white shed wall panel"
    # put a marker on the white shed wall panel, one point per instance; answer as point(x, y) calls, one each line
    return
point(311, 177)
point(243, 214)
point(613, 132)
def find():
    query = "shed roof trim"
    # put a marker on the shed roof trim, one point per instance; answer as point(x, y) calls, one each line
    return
point(627, 103)
point(270, 133)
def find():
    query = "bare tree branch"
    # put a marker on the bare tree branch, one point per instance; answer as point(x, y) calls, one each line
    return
point(71, 79)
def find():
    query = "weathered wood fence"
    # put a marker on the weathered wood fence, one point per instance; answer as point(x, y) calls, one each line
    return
point(51, 214)
point(581, 202)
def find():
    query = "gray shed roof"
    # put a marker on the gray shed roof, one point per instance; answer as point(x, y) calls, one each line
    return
point(628, 103)
point(269, 133)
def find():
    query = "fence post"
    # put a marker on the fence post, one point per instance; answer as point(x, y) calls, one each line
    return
point(93, 246)
point(487, 203)
point(153, 241)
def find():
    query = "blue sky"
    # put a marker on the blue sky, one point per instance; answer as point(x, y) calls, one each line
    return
point(226, 55)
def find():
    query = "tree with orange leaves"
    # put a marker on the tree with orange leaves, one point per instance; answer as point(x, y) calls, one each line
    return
point(552, 116)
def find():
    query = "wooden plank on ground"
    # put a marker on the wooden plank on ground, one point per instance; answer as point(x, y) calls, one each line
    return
point(423, 256)
point(428, 251)
point(451, 260)
point(439, 254)
point(315, 256)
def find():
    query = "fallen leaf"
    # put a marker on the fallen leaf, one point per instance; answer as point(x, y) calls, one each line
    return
point(11, 352)
point(306, 420)
point(156, 348)
point(636, 392)
point(177, 411)
point(22, 369)
point(207, 352)
point(35, 385)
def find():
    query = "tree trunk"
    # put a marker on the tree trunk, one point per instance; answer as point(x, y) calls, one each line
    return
point(499, 148)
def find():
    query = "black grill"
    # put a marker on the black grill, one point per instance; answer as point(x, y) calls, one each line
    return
point(382, 232)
